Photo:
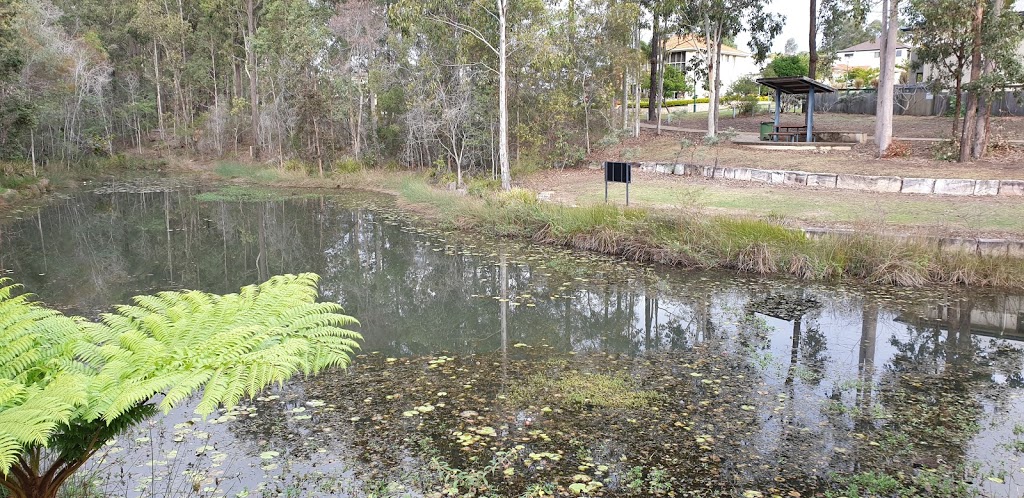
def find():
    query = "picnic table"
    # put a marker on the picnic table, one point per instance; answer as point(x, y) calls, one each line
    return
point(784, 136)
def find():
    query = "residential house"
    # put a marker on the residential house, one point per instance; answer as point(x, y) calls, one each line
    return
point(683, 52)
point(867, 56)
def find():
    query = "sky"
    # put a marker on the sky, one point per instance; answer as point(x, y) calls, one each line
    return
point(798, 15)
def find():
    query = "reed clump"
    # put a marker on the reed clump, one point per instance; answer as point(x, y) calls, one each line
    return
point(707, 242)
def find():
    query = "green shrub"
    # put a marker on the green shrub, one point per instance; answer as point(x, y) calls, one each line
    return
point(685, 102)
point(481, 187)
point(347, 164)
point(294, 165)
point(519, 195)
point(16, 182)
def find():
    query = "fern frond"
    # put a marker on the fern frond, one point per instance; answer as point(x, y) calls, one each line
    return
point(63, 379)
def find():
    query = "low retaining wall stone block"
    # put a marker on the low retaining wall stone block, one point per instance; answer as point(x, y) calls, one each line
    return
point(986, 187)
point(954, 186)
point(1011, 187)
point(817, 180)
point(870, 183)
point(795, 178)
point(918, 185)
point(760, 175)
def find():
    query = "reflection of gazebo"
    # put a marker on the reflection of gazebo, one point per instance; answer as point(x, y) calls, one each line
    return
point(795, 85)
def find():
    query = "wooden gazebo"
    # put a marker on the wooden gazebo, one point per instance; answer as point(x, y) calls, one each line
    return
point(796, 85)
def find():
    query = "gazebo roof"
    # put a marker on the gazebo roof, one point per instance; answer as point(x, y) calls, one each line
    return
point(796, 85)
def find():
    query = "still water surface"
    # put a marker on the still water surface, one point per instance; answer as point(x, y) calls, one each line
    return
point(746, 384)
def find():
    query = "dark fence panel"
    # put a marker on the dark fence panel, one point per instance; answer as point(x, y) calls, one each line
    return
point(912, 100)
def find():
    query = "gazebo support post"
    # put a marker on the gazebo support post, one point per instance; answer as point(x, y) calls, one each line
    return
point(778, 109)
point(810, 114)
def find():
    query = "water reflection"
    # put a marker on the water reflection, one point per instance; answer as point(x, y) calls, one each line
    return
point(841, 368)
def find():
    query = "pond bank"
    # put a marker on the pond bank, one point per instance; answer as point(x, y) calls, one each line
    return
point(692, 241)
point(688, 240)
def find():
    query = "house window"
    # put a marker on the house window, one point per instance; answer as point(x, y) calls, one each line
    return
point(848, 55)
point(899, 53)
point(876, 54)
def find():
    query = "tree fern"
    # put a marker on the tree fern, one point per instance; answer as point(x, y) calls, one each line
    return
point(67, 385)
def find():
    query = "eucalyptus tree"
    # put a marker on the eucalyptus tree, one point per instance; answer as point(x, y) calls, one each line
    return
point(717, 20)
point(942, 40)
point(886, 79)
point(1001, 34)
point(830, 19)
point(489, 23)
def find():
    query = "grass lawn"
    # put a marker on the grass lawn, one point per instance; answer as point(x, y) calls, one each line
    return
point(939, 215)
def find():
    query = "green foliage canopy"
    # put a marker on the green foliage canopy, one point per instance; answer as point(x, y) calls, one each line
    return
point(787, 65)
point(67, 385)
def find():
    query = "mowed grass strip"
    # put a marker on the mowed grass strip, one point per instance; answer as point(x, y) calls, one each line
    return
point(960, 214)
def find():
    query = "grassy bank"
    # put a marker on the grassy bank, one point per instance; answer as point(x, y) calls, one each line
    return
point(674, 237)
point(714, 242)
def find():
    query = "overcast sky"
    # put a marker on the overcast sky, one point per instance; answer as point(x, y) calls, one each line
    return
point(798, 15)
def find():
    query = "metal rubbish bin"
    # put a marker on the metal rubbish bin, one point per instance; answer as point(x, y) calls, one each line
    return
point(766, 128)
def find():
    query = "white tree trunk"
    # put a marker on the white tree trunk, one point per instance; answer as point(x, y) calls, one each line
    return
point(159, 99)
point(506, 175)
point(887, 78)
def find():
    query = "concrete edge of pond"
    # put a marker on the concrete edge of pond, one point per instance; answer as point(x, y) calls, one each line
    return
point(867, 183)
point(979, 246)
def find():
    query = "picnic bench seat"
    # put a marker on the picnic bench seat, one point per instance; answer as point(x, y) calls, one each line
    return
point(784, 136)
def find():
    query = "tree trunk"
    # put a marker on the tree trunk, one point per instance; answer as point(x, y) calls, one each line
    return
point(250, 61)
point(981, 132)
point(625, 98)
point(655, 61)
point(812, 43)
point(159, 98)
point(718, 78)
point(710, 42)
point(959, 102)
point(506, 174)
point(886, 84)
point(661, 82)
point(967, 133)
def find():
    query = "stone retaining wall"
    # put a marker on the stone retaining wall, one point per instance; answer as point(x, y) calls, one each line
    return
point(890, 184)
point(983, 247)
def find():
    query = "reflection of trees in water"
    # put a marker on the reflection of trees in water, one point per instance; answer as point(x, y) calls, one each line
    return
point(929, 392)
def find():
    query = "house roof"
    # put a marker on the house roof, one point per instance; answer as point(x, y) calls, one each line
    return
point(869, 46)
point(795, 85)
point(690, 43)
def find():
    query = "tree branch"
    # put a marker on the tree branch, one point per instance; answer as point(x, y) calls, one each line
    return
point(475, 33)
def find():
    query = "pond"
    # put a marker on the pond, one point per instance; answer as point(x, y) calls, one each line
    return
point(493, 368)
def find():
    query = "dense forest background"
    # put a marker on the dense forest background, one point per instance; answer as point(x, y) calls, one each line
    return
point(325, 83)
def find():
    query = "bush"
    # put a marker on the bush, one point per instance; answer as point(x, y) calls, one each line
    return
point(346, 165)
point(747, 106)
point(481, 187)
point(704, 100)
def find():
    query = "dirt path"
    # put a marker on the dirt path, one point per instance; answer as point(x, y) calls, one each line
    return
point(985, 217)
point(903, 126)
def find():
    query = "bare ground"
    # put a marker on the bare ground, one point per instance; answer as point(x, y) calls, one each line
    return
point(1011, 127)
point(920, 161)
